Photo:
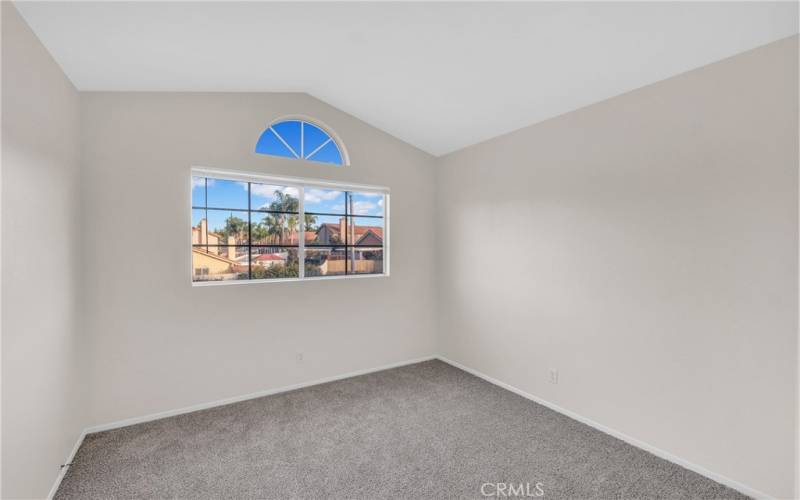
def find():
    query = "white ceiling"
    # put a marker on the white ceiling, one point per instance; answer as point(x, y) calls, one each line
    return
point(439, 76)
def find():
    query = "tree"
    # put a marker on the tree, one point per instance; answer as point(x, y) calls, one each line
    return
point(234, 226)
point(277, 225)
point(258, 231)
point(291, 270)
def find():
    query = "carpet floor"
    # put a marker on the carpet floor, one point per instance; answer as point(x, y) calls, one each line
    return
point(421, 431)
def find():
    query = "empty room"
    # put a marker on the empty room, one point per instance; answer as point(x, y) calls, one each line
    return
point(399, 250)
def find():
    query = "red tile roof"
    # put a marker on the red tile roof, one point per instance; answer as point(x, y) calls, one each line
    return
point(359, 230)
point(269, 256)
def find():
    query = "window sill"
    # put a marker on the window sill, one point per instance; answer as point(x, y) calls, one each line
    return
point(287, 280)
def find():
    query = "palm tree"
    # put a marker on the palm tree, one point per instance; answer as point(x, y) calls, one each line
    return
point(275, 225)
point(278, 224)
point(259, 231)
point(236, 227)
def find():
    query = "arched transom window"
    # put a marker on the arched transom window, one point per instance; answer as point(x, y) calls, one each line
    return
point(301, 139)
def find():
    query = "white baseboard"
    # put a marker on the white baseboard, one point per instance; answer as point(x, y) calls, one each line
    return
point(63, 471)
point(751, 492)
point(236, 399)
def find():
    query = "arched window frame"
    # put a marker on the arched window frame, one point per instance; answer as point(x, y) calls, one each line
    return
point(317, 123)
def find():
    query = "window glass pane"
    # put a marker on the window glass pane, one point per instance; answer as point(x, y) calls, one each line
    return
point(365, 231)
point(199, 227)
point(366, 260)
point(344, 230)
point(325, 230)
point(274, 262)
point(328, 154)
point(227, 227)
point(313, 138)
point(271, 197)
point(290, 133)
point(199, 191)
point(227, 194)
point(219, 263)
point(325, 261)
point(366, 204)
point(269, 144)
point(325, 201)
point(275, 228)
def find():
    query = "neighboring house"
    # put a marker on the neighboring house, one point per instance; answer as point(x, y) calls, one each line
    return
point(222, 261)
point(213, 260)
point(270, 259)
point(201, 236)
point(334, 234)
point(206, 263)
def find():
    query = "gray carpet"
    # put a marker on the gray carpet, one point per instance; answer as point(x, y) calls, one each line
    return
point(421, 431)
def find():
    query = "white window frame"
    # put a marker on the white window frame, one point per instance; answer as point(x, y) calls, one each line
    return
point(301, 184)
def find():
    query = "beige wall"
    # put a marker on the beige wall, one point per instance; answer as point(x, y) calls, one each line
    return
point(646, 247)
point(161, 344)
point(44, 404)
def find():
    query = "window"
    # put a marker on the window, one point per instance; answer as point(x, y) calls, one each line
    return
point(301, 139)
point(249, 227)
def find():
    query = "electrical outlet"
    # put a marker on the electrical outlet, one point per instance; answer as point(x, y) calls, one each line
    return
point(299, 357)
point(553, 376)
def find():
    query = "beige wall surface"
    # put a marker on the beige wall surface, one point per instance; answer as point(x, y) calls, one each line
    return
point(646, 248)
point(44, 404)
point(161, 344)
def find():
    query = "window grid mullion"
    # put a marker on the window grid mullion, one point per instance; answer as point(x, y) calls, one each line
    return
point(330, 139)
point(256, 210)
point(324, 214)
point(277, 245)
point(301, 235)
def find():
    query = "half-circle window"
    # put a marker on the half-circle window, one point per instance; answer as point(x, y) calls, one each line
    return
point(300, 139)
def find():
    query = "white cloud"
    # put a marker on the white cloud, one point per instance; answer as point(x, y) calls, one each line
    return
point(268, 191)
point(361, 207)
point(315, 195)
point(319, 195)
point(364, 208)
point(198, 182)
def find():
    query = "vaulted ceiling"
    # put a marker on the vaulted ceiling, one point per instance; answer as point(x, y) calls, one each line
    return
point(440, 76)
